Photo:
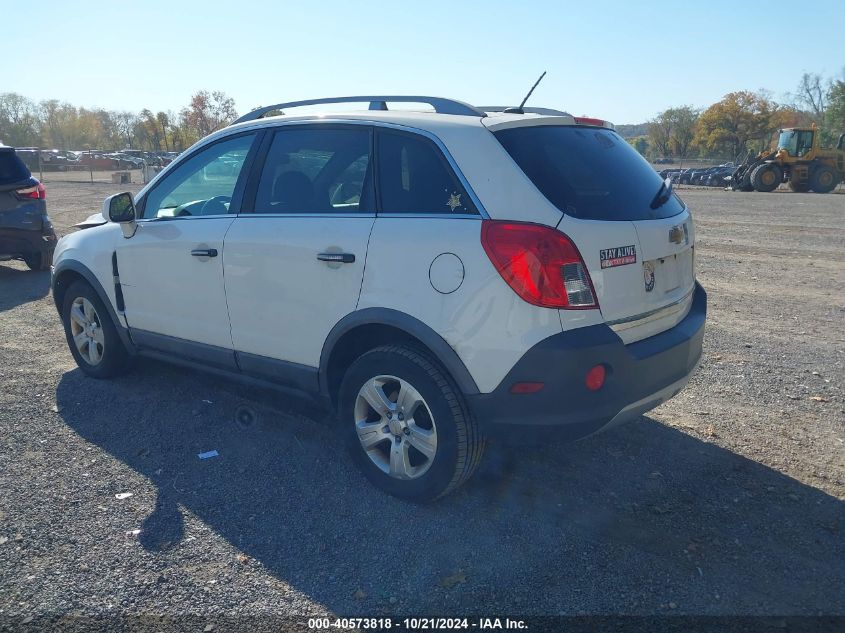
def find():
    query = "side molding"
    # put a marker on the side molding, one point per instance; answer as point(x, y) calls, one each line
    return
point(442, 351)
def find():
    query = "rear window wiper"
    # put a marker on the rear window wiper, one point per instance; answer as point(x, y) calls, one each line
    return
point(663, 194)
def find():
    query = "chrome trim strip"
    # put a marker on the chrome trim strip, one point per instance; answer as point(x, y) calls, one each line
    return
point(684, 303)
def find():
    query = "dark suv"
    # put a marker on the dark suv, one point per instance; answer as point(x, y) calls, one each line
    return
point(25, 229)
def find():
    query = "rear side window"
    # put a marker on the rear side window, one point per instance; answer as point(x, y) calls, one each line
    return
point(589, 173)
point(12, 168)
point(414, 177)
point(310, 170)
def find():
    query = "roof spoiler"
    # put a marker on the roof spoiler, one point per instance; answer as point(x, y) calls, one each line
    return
point(529, 110)
point(377, 102)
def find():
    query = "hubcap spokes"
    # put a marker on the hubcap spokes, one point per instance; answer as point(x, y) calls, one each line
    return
point(395, 427)
point(86, 330)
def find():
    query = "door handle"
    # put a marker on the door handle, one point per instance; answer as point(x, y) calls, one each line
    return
point(204, 252)
point(340, 258)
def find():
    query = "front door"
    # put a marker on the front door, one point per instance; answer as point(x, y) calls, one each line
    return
point(171, 270)
point(294, 266)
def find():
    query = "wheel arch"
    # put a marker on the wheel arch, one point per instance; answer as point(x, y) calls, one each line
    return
point(365, 329)
point(69, 271)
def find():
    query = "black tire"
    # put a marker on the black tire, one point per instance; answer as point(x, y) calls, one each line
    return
point(767, 177)
point(824, 179)
point(799, 187)
point(39, 261)
point(460, 444)
point(114, 357)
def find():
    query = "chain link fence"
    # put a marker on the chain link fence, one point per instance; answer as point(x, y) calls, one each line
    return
point(52, 166)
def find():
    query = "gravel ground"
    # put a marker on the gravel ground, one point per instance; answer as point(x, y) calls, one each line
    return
point(726, 500)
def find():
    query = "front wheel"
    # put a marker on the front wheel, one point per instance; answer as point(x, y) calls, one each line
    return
point(406, 425)
point(91, 335)
point(766, 177)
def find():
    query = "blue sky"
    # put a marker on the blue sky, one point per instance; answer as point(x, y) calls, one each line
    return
point(624, 61)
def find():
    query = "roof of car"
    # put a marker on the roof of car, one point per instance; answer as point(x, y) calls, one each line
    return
point(415, 119)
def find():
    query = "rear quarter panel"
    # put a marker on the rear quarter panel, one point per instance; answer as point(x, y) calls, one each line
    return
point(484, 321)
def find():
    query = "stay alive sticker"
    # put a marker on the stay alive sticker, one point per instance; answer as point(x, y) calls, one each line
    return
point(619, 256)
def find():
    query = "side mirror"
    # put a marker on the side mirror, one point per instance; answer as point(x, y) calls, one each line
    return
point(120, 208)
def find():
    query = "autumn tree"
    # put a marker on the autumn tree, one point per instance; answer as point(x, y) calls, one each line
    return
point(210, 111)
point(731, 124)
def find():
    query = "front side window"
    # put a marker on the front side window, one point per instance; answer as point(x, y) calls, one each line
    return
point(415, 178)
point(311, 170)
point(202, 185)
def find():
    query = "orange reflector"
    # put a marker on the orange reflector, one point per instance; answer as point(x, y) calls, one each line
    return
point(527, 387)
point(595, 378)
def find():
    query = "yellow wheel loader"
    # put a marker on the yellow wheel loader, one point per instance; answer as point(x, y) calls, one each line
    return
point(798, 160)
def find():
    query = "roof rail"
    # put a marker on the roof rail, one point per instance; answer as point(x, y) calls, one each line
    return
point(529, 110)
point(377, 102)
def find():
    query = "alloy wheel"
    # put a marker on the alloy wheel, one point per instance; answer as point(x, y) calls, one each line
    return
point(395, 427)
point(87, 330)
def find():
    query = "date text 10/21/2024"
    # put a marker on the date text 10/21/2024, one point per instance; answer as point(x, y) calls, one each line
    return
point(417, 624)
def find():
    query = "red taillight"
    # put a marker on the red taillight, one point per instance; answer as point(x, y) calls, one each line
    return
point(585, 120)
point(594, 380)
point(541, 264)
point(38, 192)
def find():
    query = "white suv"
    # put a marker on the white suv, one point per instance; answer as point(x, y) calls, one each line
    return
point(436, 277)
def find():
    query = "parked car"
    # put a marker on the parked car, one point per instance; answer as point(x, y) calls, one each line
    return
point(720, 177)
point(25, 229)
point(98, 160)
point(29, 156)
point(436, 278)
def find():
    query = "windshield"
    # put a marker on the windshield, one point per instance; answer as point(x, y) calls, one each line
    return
point(588, 172)
point(789, 141)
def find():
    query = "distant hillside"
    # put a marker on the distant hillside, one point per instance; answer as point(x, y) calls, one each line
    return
point(631, 130)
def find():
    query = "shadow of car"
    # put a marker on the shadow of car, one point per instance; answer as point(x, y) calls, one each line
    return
point(611, 524)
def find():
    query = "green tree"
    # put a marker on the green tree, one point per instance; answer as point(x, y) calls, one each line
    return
point(683, 124)
point(19, 123)
point(834, 121)
point(660, 135)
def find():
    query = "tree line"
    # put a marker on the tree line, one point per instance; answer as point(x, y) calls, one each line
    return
point(52, 124)
point(745, 121)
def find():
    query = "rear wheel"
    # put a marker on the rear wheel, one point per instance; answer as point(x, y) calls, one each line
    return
point(38, 261)
point(766, 177)
point(91, 335)
point(406, 425)
point(823, 179)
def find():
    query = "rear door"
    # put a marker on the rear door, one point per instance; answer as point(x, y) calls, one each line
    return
point(635, 237)
point(294, 265)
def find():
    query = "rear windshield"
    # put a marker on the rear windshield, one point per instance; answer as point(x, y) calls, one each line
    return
point(12, 168)
point(588, 172)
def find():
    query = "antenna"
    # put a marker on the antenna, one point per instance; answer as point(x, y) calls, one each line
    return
point(519, 109)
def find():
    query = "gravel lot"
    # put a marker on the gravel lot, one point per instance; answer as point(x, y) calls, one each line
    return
point(729, 499)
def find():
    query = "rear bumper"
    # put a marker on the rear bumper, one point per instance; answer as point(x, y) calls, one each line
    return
point(640, 376)
point(20, 241)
